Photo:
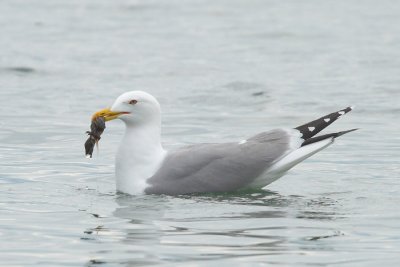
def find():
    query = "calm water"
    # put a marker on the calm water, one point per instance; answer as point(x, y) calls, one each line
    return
point(222, 70)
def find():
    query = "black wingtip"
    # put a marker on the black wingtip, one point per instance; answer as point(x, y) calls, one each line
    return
point(326, 136)
point(312, 128)
point(345, 132)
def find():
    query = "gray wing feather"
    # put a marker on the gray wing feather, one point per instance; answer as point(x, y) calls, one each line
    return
point(218, 167)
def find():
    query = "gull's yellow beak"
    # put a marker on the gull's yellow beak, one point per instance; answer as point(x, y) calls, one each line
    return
point(107, 114)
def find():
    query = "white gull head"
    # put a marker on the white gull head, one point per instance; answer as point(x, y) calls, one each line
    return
point(137, 108)
point(140, 153)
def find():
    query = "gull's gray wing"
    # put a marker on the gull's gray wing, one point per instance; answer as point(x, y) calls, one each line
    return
point(219, 167)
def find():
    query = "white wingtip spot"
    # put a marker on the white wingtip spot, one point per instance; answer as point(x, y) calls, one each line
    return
point(88, 156)
point(242, 142)
point(341, 112)
point(311, 129)
point(327, 119)
point(352, 107)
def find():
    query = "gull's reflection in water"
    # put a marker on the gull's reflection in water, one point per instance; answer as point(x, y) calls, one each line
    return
point(167, 229)
point(132, 234)
point(142, 214)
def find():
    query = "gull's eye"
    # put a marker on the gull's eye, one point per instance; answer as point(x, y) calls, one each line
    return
point(132, 102)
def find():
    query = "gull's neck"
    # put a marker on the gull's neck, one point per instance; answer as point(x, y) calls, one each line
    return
point(139, 156)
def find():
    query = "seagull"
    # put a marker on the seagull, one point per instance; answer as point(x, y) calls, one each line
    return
point(143, 166)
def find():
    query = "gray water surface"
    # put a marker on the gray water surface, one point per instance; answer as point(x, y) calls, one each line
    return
point(222, 71)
